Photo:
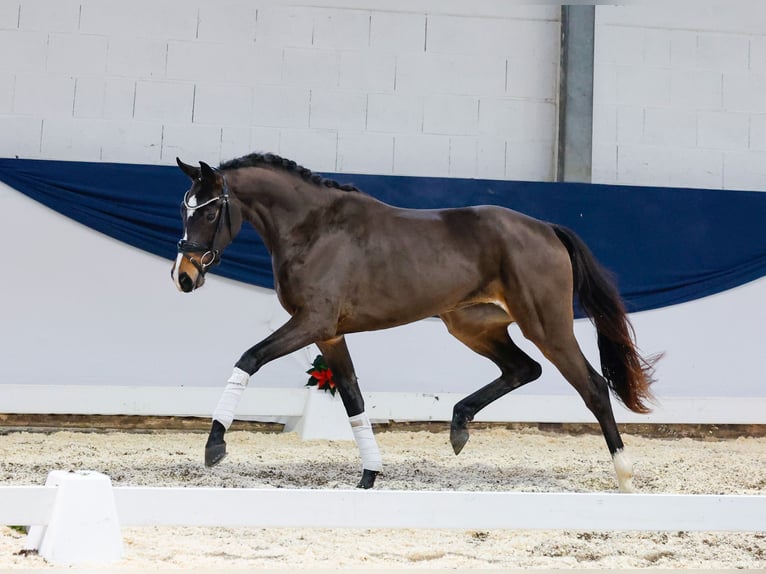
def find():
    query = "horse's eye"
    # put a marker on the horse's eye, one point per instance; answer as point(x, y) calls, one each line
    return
point(210, 216)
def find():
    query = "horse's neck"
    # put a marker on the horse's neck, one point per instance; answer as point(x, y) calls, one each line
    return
point(276, 203)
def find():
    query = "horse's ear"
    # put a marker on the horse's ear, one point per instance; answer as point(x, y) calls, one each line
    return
point(207, 172)
point(190, 170)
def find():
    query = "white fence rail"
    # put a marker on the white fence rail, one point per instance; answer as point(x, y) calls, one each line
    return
point(294, 508)
point(263, 403)
point(74, 510)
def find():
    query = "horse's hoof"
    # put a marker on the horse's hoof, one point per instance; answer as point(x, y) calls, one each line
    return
point(214, 453)
point(458, 438)
point(368, 479)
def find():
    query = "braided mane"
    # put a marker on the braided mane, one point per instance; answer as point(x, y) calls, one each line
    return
point(288, 165)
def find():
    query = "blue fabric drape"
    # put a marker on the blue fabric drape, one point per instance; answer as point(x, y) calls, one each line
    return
point(664, 245)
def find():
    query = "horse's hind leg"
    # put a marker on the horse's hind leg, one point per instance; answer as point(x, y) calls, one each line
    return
point(337, 357)
point(561, 348)
point(484, 329)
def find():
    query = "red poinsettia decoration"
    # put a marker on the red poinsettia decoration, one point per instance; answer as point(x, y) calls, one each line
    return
point(321, 376)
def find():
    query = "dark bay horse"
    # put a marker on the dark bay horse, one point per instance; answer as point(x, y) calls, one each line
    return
point(345, 262)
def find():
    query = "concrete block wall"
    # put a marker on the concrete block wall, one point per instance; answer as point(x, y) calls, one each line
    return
point(446, 90)
point(680, 95)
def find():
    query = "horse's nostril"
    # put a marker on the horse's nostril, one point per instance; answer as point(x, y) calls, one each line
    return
point(185, 282)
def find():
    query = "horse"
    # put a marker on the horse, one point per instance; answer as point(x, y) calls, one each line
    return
point(344, 262)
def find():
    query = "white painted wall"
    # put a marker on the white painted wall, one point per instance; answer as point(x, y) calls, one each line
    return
point(391, 88)
point(83, 309)
point(680, 94)
point(417, 88)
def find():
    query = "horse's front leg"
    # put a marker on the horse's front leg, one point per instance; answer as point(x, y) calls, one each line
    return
point(337, 357)
point(297, 333)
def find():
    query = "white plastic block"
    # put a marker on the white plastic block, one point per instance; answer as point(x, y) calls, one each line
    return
point(604, 163)
point(758, 54)
point(136, 58)
point(44, 95)
point(630, 123)
point(9, 15)
point(132, 142)
point(398, 113)
point(71, 139)
point(367, 71)
point(342, 29)
point(722, 51)
point(365, 153)
point(227, 21)
point(281, 106)
point(262, 140)
point(758, 132)
point(532, 79)
point(745, 170)
point(59, 16)
point(657, 46)
point(284, 26)
point(98, 98)
point(310, 68)
point(76, 54)
point(26, 132)
point(266, 65)
point(604, 123)
point(231, 63)
point(223, 105)
point(530, 161)
point(517, 120)
point(738, 17)
point(324, 418)
point(398, 32)
point(315, 149)
point(696, 89)
point(34, 46)
point(670, 126)
point(480, 36)
point(7, 81)
point(643, 86)
point(338, 110)
point(640, 164)
point(744, 92)
point(164, 101)
point(490, 157)
point(235, 141)
point(683, 49)
point(421, 155)
point(618, 45)
point(89, 98)
point(142, 18)
point(450, 74)
point(191, 141)
point(83, 526)
point(457, 115)
point(463, 156)
point(723, 130)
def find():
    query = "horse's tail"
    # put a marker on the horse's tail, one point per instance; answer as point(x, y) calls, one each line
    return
point(625, 370)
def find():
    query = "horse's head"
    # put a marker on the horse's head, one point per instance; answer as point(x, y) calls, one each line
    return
point(211, 221)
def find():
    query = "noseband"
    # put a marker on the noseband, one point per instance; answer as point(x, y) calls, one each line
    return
point(210, 254)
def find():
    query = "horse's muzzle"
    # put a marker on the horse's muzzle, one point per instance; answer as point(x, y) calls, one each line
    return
point(186, 276)
point(186, 283)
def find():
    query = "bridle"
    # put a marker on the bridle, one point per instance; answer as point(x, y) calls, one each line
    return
point(211, 254)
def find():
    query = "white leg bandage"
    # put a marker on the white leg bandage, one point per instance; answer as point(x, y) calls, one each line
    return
point(624, 468)
point(365, 440)
point(224, 412)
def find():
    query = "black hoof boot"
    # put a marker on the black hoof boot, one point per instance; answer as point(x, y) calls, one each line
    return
point(368, 479)
point(215, 448)
point(458, 432)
